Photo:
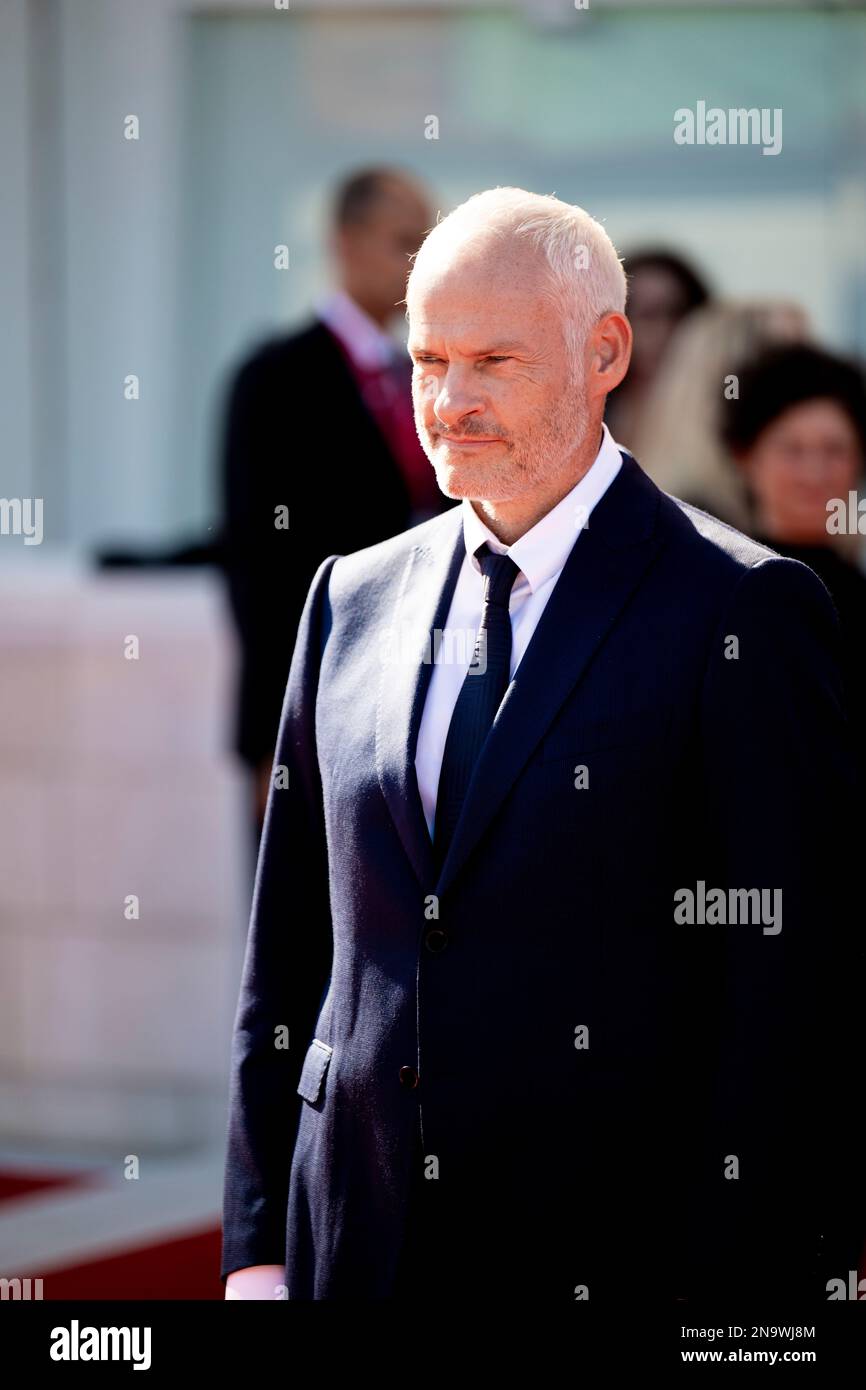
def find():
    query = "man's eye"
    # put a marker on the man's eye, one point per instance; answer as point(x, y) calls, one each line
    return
point(426, 358)
point(496, 359)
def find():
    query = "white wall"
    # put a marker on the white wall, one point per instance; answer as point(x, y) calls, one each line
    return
point(114, 781)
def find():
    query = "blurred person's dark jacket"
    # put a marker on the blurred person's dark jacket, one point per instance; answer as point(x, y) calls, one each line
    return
point(846, 585)
point(298, 435)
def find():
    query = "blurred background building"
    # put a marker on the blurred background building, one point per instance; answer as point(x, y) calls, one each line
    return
point(156, 258)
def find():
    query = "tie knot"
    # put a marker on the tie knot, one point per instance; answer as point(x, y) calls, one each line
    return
point(499, 572)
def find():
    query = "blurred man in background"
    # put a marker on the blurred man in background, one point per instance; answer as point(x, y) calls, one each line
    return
point(336, 394)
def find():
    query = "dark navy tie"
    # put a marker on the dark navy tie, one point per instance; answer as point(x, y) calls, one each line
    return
point(480, 695)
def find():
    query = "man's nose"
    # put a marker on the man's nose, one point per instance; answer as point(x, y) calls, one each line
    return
point(456, 398)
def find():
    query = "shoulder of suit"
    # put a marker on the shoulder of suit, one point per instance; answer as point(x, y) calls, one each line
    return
point(723, 556)
point(378, 564)
point(712, 535)
point(707, 558)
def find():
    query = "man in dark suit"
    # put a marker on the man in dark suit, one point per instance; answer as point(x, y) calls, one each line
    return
point(544, 993)
point(341, 385)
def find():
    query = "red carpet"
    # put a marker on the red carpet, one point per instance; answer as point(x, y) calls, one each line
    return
point(171, 1267)
point(176, 1269)
point(25, 1184)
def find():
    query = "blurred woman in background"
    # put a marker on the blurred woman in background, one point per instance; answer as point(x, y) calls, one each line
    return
point(678, 441)
point(797, 435)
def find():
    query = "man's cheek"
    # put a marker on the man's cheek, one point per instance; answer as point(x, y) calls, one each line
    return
point(425, 391)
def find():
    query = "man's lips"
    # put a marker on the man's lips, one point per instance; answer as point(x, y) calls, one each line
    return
point(469, 441)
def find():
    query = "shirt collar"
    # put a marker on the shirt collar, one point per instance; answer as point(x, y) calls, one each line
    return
point(543, 550)
point(366, 343)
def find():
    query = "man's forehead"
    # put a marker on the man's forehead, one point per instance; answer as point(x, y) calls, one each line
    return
point(475, 267)
point(492, 329)
point(489, 323)
point(472, 306)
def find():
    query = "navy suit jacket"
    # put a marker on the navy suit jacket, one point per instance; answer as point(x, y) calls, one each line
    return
point(610, 1101)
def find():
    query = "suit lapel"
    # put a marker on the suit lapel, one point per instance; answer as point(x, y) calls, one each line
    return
point(603, 569)
point(424, 598)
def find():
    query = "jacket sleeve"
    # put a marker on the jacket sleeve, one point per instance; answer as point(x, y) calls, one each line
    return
point(286, 968)
point(782, 798)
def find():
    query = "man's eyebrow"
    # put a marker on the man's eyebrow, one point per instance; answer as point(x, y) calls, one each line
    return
point(496, 350)
point(501, 349)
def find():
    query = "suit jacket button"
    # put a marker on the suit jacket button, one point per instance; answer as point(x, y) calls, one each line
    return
point(408, 1077)
point(436, 940)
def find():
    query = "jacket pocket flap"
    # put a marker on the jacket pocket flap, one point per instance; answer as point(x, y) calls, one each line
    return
point(313, 1071)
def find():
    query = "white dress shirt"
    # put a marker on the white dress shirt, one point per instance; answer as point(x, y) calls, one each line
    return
point(540, 554)
point(368, 344)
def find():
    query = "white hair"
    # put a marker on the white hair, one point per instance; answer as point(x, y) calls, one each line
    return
point(586, 278)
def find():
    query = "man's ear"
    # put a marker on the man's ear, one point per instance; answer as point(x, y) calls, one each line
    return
point(610, 353)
